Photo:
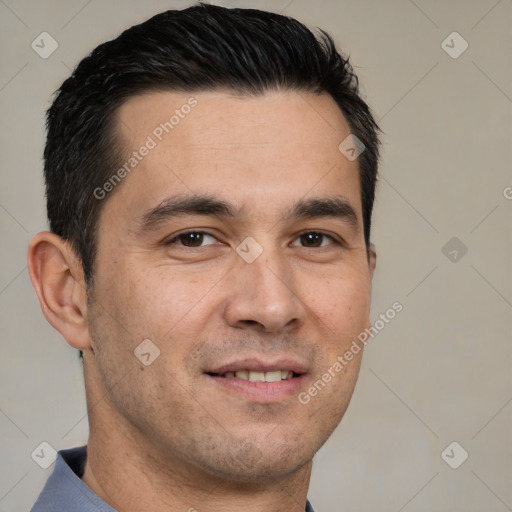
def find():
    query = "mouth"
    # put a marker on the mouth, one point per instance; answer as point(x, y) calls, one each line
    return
point(258, 376)
point(258, 381)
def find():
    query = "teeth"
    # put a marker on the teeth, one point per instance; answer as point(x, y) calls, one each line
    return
point(273, 376)
point(257, 376)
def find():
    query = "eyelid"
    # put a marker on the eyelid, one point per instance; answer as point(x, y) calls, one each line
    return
point(173, 238)
point(335, 238)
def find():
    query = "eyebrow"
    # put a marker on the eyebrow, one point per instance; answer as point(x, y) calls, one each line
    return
point(185, 205)
point(175, 206)
point(337, 207)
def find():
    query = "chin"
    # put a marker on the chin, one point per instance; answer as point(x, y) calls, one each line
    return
point(251, 464)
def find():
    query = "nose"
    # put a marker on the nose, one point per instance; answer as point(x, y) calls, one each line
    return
point(262, 296)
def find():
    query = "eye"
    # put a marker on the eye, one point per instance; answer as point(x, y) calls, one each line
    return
point(313, 239)
point(192, 239)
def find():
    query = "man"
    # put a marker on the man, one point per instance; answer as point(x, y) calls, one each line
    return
point(210, 180)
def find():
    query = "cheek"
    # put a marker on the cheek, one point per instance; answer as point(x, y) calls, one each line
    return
point(344, 304)
point(140, 393)
point(161, 302)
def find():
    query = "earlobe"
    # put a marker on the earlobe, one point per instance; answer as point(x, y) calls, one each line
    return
point(57, 277)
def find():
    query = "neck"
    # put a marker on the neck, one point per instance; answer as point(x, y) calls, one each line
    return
point(131, 473)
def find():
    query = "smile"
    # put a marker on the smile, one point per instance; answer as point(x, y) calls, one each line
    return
point(259, 376)
point(259, 381)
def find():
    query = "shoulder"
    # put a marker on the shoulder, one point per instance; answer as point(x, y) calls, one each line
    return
point(65, 491)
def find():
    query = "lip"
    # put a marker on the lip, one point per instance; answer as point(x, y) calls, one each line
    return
point(259, 392)
point(259, 365)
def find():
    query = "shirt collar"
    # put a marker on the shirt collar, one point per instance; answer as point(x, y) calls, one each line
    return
point(64, 490)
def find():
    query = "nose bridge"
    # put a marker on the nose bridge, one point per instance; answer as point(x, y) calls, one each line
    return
point(273, 278)
point(264, 293)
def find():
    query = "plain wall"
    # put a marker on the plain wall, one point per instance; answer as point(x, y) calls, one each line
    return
point(440, 371)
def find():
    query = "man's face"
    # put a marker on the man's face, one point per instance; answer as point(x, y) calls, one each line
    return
point(267, 165)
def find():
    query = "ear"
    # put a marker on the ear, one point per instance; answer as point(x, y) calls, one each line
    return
point(57, 277)
point(372, 259)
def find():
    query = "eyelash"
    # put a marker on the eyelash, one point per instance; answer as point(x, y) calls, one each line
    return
point(175, 238)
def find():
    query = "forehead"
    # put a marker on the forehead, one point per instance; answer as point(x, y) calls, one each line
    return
point(220, 111)
point(280, 145)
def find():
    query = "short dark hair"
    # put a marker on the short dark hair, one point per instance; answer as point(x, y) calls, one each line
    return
point(203, 47)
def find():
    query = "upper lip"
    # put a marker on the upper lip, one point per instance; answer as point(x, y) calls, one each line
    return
point(260, 365)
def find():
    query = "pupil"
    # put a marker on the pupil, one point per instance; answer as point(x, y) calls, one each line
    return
point(313, 239)
point(193, 239)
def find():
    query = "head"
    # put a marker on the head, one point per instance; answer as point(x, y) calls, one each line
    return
point(198, 200)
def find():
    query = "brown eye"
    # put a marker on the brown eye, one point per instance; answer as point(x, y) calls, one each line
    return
point(314, 239)
point(192, 239)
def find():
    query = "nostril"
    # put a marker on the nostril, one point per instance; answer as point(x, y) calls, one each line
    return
point(252, 322)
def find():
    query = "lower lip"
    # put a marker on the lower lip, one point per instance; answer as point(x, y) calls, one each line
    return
point(261, 392)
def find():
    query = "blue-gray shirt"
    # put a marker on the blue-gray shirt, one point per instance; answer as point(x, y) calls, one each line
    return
point(65, 492)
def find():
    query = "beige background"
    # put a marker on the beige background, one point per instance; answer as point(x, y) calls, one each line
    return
point(441, 370)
